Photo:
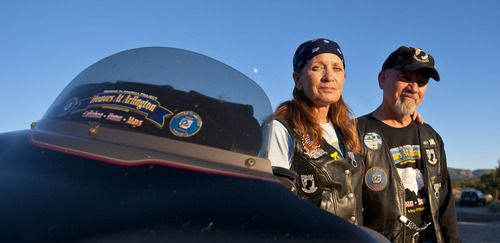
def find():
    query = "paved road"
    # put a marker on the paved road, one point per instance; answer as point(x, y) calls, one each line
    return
point(478, 224)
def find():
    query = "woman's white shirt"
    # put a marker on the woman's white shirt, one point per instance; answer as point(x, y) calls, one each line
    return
point(278, 144)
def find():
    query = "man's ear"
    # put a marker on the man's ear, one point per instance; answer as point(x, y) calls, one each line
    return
point(296, 78)
point(381, 79)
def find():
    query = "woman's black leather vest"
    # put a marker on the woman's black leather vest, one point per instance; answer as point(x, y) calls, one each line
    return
point(327, 178)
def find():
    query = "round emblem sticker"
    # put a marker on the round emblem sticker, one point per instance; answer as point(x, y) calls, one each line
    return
point(68, 106)
point(376, 178)
point(372, 140)
point(185, 124)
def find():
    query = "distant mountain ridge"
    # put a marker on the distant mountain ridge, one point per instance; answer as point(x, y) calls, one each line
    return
point(461, 174)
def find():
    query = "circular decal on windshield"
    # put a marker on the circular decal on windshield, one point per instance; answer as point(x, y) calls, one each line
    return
point(185, 124)
point(372, 141)
point(68, 106)
point(376, 178)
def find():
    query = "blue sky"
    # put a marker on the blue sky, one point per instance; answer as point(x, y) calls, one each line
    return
point(45, 44)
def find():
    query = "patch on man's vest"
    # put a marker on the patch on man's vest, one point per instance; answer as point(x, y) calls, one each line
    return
point(376, 178)
point(430, 142)
point(308, 184)
point(372, 140)
point(431, 156)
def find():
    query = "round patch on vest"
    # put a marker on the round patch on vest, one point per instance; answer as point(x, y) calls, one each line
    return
point(372, 140)
point(376, 178)
point(185, 124)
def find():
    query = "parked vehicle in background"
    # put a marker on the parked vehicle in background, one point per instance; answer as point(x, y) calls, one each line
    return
point(472, 198)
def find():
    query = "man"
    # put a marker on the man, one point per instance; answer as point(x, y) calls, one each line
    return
point(407, 192)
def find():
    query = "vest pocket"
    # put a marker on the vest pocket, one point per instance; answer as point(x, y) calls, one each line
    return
point(326, 202)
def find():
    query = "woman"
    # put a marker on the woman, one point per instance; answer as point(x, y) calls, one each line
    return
point(314, 136)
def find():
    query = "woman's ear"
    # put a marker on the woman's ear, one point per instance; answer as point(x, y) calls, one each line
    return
point(296, 78)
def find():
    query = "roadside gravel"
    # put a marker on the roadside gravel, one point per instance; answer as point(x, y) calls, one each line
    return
point(478, 224)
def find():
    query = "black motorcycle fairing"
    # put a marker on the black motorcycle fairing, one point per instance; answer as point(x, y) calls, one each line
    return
point(50, 196)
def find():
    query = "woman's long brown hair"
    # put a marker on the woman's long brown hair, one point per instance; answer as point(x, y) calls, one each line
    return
point(303, 119)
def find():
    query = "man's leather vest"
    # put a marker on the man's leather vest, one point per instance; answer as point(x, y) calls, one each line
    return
point(384, 193)
point(326, 178)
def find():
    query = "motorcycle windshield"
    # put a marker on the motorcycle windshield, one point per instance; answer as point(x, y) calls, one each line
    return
point(169, 93)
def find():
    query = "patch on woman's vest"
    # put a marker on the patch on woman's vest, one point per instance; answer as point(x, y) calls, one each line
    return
point(354, 163)
point(311, 148)
point(372, 140)
point(376, 178)
point(308, 184)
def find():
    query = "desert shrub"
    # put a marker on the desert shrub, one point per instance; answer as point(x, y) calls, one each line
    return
point(494, 207)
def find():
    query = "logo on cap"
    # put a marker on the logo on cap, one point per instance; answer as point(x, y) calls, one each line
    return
point(420, 55)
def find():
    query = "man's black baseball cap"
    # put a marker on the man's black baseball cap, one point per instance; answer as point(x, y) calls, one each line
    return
point(406, 59)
